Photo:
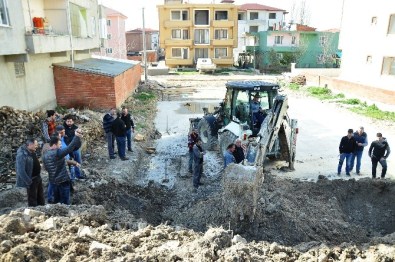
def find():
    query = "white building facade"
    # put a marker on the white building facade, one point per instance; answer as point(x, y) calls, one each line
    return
point(35, 34)
point(367, 40)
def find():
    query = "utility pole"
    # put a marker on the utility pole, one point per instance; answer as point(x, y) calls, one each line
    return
point(70, 32)
point(145, 50)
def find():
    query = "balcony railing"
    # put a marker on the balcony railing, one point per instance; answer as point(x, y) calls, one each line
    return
point(178, 24)
point(178, 42)
point(223, 42)
point(223, 23)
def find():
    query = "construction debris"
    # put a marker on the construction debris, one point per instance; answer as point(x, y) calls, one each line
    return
point(299, 79)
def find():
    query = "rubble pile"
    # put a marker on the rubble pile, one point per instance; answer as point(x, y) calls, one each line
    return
point(299, 79)
point(15, 127)
point(60, 233)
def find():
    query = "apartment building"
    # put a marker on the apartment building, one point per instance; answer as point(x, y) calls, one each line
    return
point(254, 18)
point(189, 31)
point(35, 35)
point(367, 40)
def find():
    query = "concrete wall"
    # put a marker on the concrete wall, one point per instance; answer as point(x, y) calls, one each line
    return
point(82, 89)
point(331, 72)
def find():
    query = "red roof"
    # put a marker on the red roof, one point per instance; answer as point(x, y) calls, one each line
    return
point(112, 12)
point(304, 28)
point(255, 6)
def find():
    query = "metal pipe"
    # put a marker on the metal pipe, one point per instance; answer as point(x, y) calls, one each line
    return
point(70, 33)
point(144, 50)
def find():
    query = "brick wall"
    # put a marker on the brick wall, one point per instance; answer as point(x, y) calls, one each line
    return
point(81, 89)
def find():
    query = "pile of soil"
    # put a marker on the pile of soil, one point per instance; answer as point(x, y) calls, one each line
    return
point(87, 233)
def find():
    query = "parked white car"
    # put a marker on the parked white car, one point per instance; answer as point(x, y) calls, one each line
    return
point(205, 65)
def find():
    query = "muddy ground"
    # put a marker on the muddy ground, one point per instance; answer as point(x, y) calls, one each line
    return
point(144, 209)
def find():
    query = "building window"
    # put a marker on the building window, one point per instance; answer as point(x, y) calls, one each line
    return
point(221, 15)
point(201, 53)
point(202, 17)
point(202, 36)
point(241, 16)
point(374, 20)
point(323, 40)
point(79, 21)
point(278, 39)
point(221, 34)
point(4, 17)
point(108, 22)
point(109, 36)
point(109, 50)
point(254, 29)
point(19, 68)
point(391, 26)
point(272, 15)
point(254, 15)
point(221, 52)
point(180, 15)
point(293, 41)
point(180, 34)
point(279, 56)
point(369, 59)
point(179, 52)
point(320, 58)
point(388, 66)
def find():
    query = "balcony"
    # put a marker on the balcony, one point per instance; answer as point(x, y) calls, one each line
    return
point(223, 23)
point(178, 61)
point(257, 22)
point(223, 61)
point(177, 24)
point(223, 42)
point(41, 43)
point(178, 42)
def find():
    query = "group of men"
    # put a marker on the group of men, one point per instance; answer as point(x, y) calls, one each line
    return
point(118, 126)
point(233, 154)
point(351, 147)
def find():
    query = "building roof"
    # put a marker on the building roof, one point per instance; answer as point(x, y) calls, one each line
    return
point(140, 30)
point(107, 67)
point(111, 12)
point(254, 6)
point(304, 28)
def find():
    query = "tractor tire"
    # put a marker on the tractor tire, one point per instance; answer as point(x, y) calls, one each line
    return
point(225, 139)
point(206, 135)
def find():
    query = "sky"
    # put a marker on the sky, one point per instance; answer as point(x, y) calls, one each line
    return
point(324, 14)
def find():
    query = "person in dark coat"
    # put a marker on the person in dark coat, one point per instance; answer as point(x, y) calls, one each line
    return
point(118, 128)
point(110, 138)
point(239, 152)
point(197, 163)
point(378, 152)
point(127, 119)
point(346, 149)
point(69, 128)
point(28, 171)
point(361, 138)
point(193, 137)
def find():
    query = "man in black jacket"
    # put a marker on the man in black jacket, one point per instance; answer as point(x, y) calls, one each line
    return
point(127, 119)
point(28, 173)
point(70, 128)
point(55, 164)
point(239, 152)
point(346, 149)
point(110, 138)
point(378, 152)
point(119, 130)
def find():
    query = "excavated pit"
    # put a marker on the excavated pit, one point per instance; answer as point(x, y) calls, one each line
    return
point(286, 211)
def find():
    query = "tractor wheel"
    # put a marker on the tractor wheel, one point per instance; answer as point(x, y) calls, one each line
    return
point(205, 134)
point(225, 139)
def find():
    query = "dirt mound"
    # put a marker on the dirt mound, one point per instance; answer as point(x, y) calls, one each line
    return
point(86, 233)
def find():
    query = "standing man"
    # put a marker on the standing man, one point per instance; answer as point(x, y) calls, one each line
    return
point(257, 112)
point(198, 163)
point(228, 156)
point(361, 138)
point(55, 164)
point(127, 119)
point(49, 124)
point(119, 130)
point(69, 128)
point(378, 152)
point(107, 124)
point(28, 170)
point(346, 148)
point(239, 152)
point(193, 137)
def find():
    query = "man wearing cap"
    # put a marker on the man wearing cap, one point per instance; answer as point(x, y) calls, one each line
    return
point(346, 149)
point(361, 138)
point(193, 137)
point(378, 152)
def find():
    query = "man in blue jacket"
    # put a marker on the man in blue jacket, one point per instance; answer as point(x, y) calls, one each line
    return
point(361, 138)
point(228, 156)
point(28, 171)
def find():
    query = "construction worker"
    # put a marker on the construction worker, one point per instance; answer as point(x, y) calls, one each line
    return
point(228, 156)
